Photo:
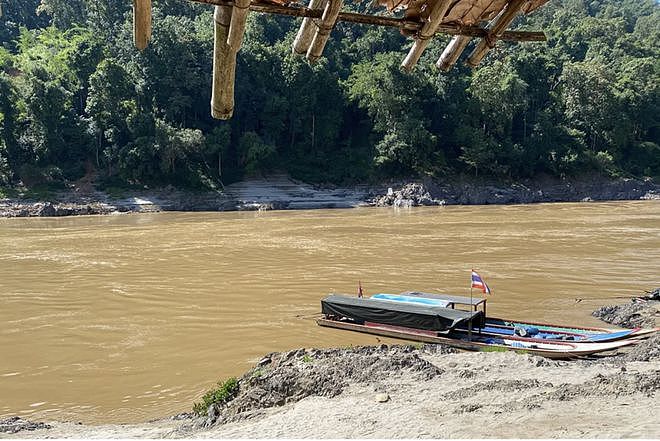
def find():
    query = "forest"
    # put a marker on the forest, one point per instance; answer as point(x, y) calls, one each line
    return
point(77, 98)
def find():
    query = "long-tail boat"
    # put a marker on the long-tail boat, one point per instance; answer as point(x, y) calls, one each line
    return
point(430, 322)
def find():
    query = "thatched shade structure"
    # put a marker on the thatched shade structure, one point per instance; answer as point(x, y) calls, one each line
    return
point(483, 20)
point(224, 65)
point(307, 29)
point(141, 23)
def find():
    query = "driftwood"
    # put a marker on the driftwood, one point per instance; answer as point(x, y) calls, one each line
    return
point(306, 32)
point(224, 66)
point(497, 28)
point(237, 27)
point(438, 11)
point(141, 23)
point(451, 53)
point(328, 20)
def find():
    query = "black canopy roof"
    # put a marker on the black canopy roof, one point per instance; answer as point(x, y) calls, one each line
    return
point(433, 318)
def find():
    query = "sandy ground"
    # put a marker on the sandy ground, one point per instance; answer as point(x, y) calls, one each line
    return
point(475, 395)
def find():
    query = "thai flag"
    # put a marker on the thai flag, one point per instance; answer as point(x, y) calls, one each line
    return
point(478, 282)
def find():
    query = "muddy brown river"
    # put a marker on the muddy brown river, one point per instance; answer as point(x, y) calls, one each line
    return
point(131, 317)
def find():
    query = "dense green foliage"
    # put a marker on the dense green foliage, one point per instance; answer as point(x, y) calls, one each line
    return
point(224, 392)
point(76, 98)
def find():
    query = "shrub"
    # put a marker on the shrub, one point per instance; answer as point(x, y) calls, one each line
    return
point(492, 349)
point(223, 393)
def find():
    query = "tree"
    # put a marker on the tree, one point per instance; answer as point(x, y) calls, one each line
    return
point(397, 104)
point(501, 95)
point(588, 100)
point(110, 102)
point(17, 14)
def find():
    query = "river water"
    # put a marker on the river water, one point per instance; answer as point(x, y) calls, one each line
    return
point(131, 317)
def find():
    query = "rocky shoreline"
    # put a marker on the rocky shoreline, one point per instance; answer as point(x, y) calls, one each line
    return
point(642, 312)
point(421, 391)
point(431, 192)
point(282, 193)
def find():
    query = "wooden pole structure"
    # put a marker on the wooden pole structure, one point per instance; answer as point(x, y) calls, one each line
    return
point(328, 20)
point(306, 32)
point(141, 23)
point(224, 66)
point(495, 32)
point(239, 15)
point(451, 53)
point(438, 11)
point(379, 20)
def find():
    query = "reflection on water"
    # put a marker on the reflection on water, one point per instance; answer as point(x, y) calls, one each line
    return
point(126, 318)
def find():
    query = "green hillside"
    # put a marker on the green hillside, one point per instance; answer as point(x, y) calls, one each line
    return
point(76, 97)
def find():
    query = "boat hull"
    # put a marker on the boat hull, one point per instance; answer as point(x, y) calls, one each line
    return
point(554, 350)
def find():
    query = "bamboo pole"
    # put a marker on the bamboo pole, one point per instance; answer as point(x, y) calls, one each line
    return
point(306, 32)
point(438, 11)
point(237, 26)
point(328, 20)
point(378, 20)
point(452, 52)
point(224, 66)
point(495, 32)
point(141, 23)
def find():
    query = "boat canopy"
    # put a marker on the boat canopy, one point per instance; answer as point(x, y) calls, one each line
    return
point(450, 300)
point(432, 318)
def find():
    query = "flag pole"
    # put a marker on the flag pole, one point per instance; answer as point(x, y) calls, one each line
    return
point(470, 322)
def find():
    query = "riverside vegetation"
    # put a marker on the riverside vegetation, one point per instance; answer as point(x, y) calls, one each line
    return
point(76, 98)
point(225, 391)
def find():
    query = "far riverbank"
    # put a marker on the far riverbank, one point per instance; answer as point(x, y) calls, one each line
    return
point(283, 193)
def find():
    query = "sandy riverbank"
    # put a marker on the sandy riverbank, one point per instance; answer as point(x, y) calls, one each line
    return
point(431, 394)
point(280, 192)
point(421, 392)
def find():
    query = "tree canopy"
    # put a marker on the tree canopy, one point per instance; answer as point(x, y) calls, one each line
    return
point(75, 96)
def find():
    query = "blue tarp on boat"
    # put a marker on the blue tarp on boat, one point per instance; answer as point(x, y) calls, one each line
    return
point(411, 299)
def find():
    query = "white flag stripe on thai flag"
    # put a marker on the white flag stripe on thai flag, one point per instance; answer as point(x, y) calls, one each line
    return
point(478, 282)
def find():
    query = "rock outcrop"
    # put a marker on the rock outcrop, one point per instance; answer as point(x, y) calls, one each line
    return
point(470, 192)
point(410, 195)
point(17, 424)
point(641, 312)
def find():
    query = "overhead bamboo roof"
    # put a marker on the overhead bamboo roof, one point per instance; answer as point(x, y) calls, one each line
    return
point(484, 20)
point(459, 12)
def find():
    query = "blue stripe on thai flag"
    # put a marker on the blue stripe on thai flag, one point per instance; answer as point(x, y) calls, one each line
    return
point(478, 282)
